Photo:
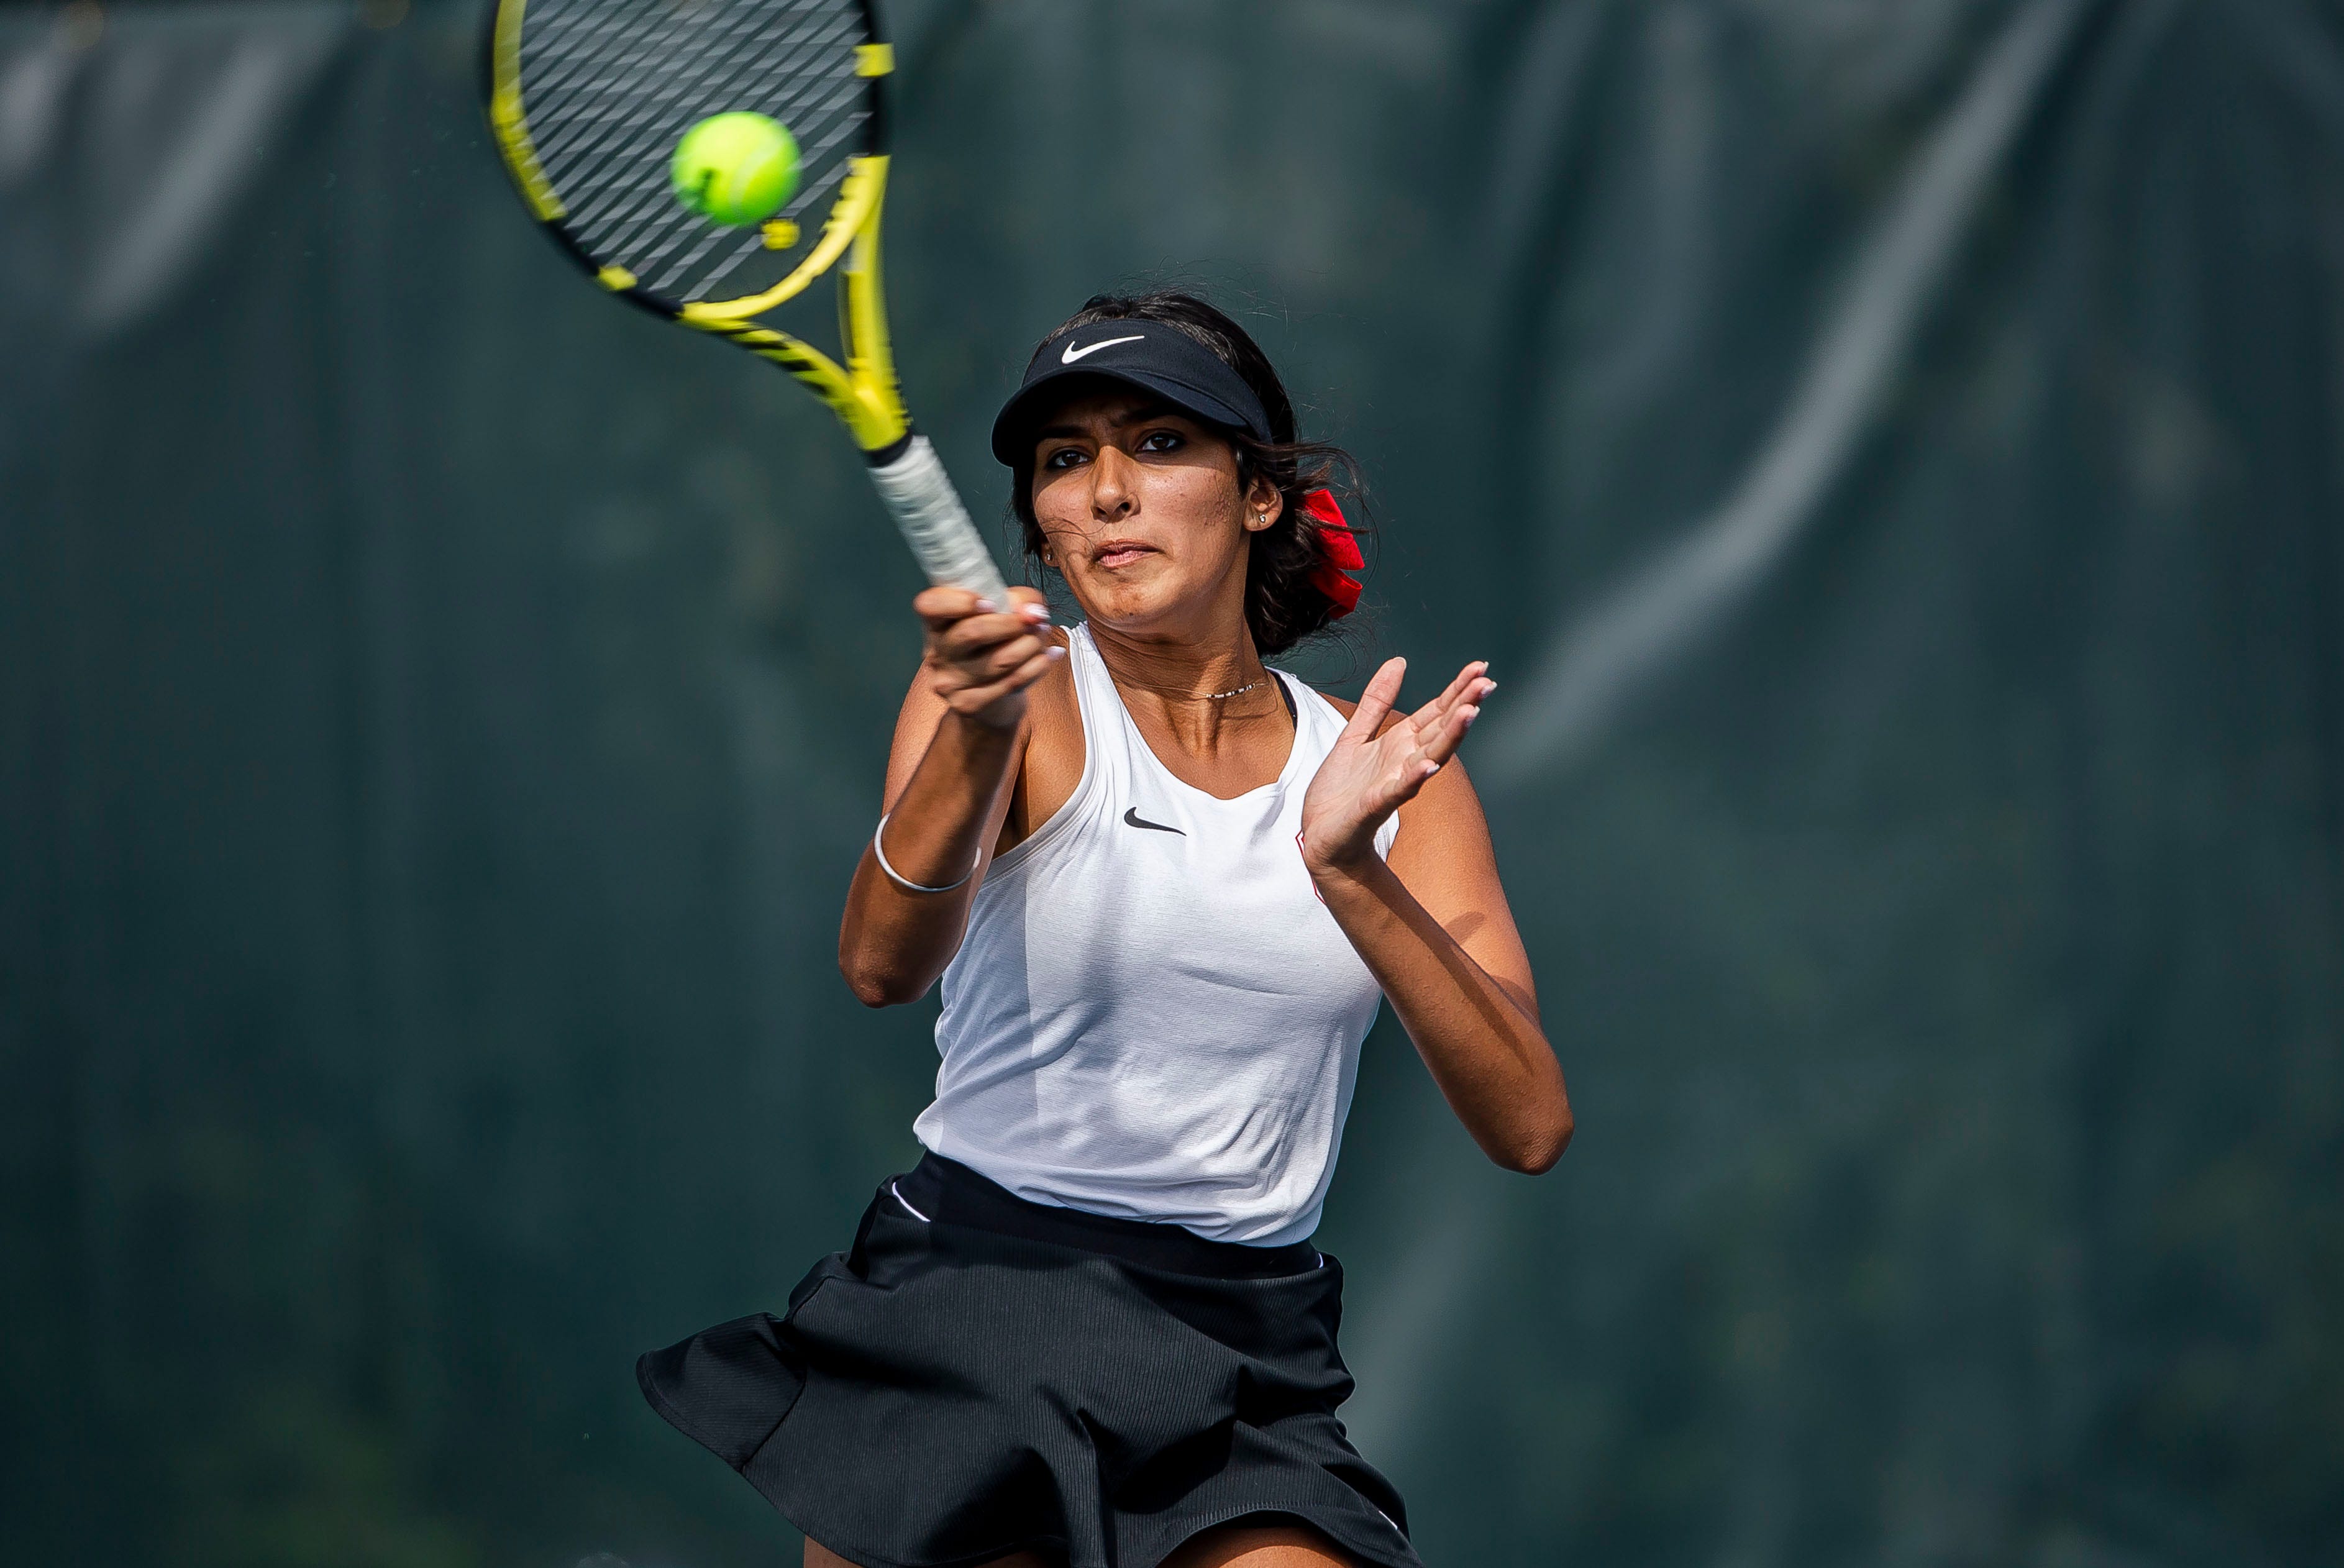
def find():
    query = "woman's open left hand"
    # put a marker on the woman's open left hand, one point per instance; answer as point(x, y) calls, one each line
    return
point(1376, 767)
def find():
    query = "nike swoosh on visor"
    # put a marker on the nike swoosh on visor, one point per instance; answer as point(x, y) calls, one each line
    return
point(1073, 353)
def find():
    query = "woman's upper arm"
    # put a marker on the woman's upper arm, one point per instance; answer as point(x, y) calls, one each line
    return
point(915, 729)
point(1049, 702)
point(1444, 858)
point(915, 726)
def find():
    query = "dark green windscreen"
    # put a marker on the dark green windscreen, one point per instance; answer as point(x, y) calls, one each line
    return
point(1893, 455)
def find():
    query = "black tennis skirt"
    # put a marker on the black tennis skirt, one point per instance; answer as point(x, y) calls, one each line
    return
point(982, 1375)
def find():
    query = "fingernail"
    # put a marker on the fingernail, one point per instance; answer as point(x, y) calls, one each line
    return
point(1054, 652)
point(986, 606)
point(1038, 614)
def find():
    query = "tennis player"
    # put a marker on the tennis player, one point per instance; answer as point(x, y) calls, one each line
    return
point(1166, 888)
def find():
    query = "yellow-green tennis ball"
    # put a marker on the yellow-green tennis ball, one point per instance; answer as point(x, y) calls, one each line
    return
point(735, 169)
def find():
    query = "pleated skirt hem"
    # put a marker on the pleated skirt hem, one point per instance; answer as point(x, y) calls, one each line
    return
point(946, 1393)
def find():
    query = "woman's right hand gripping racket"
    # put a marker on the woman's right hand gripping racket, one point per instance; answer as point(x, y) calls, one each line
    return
point(593, 102)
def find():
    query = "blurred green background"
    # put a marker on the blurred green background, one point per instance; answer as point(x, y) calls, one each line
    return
point(1893, 454)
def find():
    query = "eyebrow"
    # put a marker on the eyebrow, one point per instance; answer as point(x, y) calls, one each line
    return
point(1139, 416)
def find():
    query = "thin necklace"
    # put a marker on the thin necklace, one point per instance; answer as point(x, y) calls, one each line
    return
point(1183, 696)
point(1180, 696)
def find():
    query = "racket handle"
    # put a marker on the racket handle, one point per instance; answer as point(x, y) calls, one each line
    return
point(935, 525)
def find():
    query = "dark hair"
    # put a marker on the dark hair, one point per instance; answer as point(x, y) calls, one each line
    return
point(1282, 605)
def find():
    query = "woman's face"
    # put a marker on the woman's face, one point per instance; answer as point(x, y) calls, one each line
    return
point(1140, 511)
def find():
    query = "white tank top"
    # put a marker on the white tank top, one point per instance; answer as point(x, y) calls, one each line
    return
point(1153, 1016)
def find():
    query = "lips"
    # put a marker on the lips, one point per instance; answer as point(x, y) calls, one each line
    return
point(1112, 553)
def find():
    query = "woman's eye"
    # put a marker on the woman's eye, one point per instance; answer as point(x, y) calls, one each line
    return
point(1064, 458)
point(1160, 442)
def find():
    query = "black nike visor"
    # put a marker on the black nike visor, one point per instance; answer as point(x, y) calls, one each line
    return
point(1150, 355)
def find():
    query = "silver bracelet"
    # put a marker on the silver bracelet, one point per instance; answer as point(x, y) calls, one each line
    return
point(906, 884)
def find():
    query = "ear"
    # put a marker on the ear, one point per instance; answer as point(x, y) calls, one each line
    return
point(1263, 505)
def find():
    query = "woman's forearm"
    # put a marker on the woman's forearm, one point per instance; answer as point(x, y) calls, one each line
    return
point(1482, 1044)
point(894, 942)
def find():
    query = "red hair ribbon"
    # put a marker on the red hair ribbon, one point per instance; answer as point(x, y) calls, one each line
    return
point(1339, 552)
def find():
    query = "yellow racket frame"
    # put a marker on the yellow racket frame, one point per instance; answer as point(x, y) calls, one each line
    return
point(863, 392)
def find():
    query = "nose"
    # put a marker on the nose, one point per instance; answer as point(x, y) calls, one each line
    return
point(1113, 495)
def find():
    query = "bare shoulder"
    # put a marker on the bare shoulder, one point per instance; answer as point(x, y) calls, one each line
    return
point(1052, 766)
point(1054, 715)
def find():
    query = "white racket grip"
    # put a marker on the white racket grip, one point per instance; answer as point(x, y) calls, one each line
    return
point(935, 525)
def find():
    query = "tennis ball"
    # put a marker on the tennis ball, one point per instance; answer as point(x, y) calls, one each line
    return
point(735, 169)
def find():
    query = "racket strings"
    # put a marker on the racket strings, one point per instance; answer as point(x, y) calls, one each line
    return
point(644, 210)
point(600, 122)
point(611, 61)
point(616, 57)
point(610, 87)
point(821, 168)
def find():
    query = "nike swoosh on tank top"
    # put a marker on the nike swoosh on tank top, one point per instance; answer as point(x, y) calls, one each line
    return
point(1159, 1026)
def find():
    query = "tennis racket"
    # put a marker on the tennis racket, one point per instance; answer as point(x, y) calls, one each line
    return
point(587, 100)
